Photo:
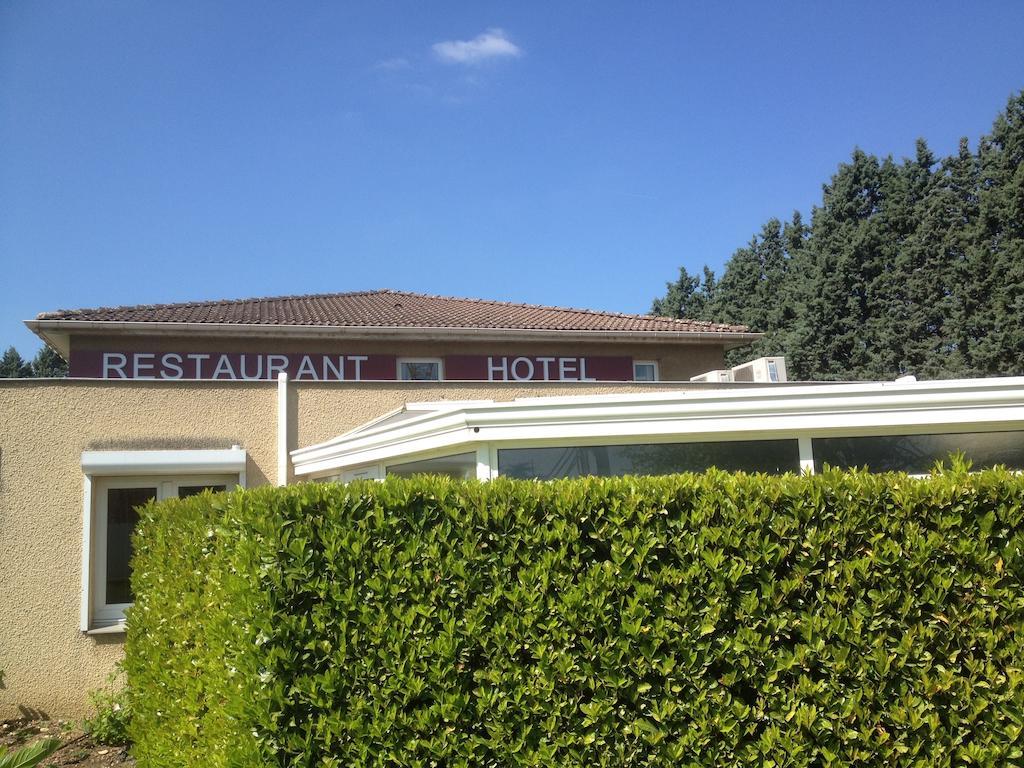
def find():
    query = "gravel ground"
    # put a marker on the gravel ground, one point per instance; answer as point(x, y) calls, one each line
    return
point(77, 749)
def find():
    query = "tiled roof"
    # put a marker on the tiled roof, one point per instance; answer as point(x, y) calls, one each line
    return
point(387, 308)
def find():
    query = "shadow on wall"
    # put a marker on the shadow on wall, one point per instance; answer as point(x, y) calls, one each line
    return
point(31, 713)
point(253, 474)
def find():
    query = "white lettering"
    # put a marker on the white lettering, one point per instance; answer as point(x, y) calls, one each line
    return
point(139, 364)
point(199, 363)
point(492, 369)
point(224, 366)
point(566, 366)
point(243, 369)
point(516, 365)
point(175, 365)
point(545, 361)
point(276, 364)
point(306, 367)
point(109, 366)
point(583, 370)
point(358, 360)
point(338, 370)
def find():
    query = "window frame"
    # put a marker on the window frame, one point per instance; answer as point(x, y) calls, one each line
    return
point(106, 614)
point(167, 471)
point(654, 366)
point(439, 362)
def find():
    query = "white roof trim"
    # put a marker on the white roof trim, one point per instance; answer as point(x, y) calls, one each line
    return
point(722, 414)
point(228, 461)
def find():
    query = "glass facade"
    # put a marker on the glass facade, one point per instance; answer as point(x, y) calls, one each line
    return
point(770, 456)
point(461, 467)
point(917, 454)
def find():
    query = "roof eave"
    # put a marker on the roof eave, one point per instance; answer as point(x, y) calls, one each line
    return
point(56, 337)
point(52, 330)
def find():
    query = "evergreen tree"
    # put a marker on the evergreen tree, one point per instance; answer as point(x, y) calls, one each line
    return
point(933, 268)
point(49, 364)
point(911, 267)
point(999, 348)
point(845, 249)
point(687, 297)
point(12, 366)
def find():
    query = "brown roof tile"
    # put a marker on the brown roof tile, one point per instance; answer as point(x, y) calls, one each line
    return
point(387, 308)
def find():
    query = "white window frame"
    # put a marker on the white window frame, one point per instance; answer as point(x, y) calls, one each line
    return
point(435, 360)
point(653, 364)
point(167, 471)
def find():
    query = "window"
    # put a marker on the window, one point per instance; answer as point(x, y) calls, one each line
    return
point(771, 456)
point(419, 369)
point(117, 501)
point(460, 467)
point(645, 370)
point(917, 454)
point(117, 484)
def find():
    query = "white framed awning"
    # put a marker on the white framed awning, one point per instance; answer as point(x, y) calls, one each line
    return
point(220, 461)
point(783, 410)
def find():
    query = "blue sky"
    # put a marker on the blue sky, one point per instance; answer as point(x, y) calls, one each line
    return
point(570, 153)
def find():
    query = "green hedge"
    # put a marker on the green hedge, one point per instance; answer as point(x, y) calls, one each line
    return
point(701, 620)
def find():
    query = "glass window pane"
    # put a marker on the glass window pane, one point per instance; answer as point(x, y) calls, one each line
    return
point(461, 467)
point(916, 454)
point(770, 456)
point(184, 491)
point(121, 521)
point(644, 372)
point(420, 371)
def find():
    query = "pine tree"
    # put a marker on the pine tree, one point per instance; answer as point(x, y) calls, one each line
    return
point(1001, 242)
point(12, 366)
point(687, 297)
point(846, 256)
point(49, 364)
point(911, 267)
point(906, 292)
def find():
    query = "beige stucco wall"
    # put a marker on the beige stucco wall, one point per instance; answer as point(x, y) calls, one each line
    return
point(49, 665)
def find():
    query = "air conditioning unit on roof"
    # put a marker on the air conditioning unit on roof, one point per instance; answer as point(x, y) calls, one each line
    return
point(716, 376)
point(769, 370)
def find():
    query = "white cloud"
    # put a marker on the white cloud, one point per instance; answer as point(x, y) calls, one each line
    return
point(492, 44)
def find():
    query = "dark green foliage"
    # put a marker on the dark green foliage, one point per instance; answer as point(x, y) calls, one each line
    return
point(12, 366)
point(110, 722)
point(912, 267)
point(48, 364)
point(692, 620)
point(687, 296)
point(30, 756)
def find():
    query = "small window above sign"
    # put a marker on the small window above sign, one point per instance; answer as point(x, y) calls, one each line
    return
point(645, 370)
point(419, 369)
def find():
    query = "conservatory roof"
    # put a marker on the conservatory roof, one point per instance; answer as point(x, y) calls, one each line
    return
point(420, 430)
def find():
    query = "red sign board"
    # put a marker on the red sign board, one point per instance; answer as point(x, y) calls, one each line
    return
point(259, 366)
point(231, 366)
point(533, 368)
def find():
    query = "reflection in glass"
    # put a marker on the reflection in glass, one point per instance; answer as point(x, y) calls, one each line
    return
point(770, 456)
point(644, 372)
point(917, 454)
point(425, 371)
point(121, 521)
point(461, 467)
